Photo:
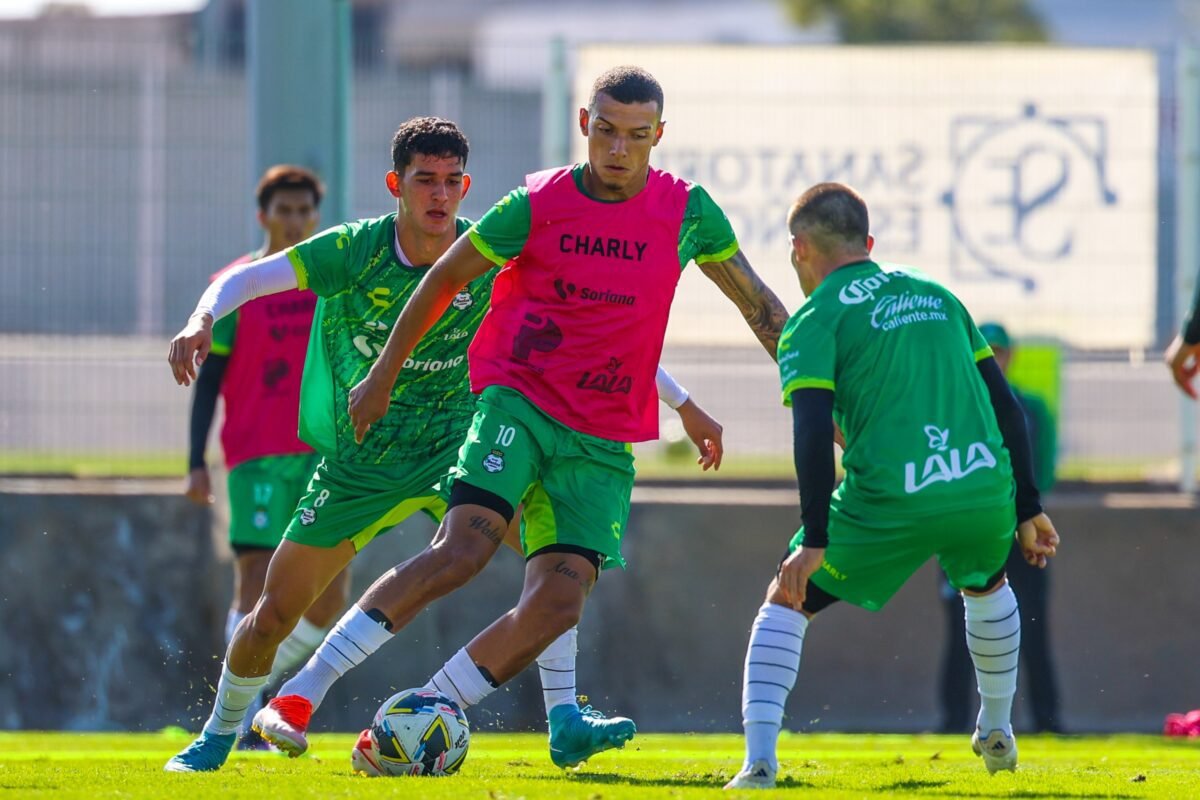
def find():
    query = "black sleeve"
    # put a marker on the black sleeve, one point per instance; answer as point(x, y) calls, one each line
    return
point(1016, 438)
point(204, 406)
point(812, 448)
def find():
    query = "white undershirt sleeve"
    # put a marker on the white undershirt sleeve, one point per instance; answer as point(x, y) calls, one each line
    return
point(244, 283)
point(669, 391)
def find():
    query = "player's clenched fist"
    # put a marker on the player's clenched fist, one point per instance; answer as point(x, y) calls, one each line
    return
point(190, 347)
point(369, 401)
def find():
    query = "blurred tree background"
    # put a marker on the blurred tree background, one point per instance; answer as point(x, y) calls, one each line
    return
point(864, 21)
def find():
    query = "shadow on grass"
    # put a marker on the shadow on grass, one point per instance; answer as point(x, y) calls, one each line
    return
point(698, 781)
point(1030, 794)
point(912, 785)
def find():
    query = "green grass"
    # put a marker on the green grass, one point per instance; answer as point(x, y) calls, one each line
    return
point(94, 465)
point(501, 766)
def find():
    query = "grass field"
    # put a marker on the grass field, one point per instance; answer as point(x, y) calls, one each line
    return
point(506, 767)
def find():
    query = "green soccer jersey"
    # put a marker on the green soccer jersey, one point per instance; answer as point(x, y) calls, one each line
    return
point(705, 235)
point(899, 353)
point(362, 286)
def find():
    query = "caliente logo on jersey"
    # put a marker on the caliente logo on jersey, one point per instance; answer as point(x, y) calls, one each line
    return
point(946, 463)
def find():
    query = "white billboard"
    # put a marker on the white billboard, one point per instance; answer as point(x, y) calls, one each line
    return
point(1024, 178)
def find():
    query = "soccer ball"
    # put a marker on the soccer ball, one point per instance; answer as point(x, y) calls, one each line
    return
point(415, 732)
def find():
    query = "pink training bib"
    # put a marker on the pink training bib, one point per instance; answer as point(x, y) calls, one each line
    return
point(578, 318)
point(261, 385)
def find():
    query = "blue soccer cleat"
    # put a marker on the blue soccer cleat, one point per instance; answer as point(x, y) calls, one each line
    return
point(207, 754)
point(577, 734)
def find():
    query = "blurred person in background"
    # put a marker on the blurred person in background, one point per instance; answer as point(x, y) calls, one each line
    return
point(255, 365)
point(1030, 584)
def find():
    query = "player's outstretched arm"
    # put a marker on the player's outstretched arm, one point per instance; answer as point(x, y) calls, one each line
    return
point(457, 267)
point(230, 290)
point(760, 307)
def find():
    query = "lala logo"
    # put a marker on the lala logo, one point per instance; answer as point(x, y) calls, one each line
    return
point(946, 463)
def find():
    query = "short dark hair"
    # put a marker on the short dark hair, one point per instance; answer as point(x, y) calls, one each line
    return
point(287, 176)
point(832, 214)
point(428, 136)
point(628, 84)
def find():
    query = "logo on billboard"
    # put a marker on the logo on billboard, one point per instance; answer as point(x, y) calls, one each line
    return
point(1024, 189)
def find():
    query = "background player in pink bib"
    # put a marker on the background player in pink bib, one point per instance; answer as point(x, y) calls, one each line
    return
point(564, 365)
point(255, 365)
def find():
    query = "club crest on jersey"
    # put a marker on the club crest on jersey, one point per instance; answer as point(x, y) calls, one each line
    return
point(307, 516)
point(463, 300)
point(494, 461)
point(261, 519)
point(946, 463)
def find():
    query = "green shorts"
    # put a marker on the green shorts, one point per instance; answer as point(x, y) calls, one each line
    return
point(262, 496)
point(360, 501)
point(575, 488)
point(867, 561)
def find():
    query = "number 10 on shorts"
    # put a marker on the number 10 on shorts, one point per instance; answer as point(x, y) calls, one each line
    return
point(494, 461)
point(506, 435)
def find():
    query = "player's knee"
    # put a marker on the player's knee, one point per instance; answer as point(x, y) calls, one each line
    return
point(270, 621)
point(552, 614)
point(454, 564)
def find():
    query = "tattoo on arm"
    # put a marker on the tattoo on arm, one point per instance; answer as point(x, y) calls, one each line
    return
point(759, 306)
point(493, 533)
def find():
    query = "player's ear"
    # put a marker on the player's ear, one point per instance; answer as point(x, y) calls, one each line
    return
point(658, 132)
point(393, 183)
point(262, 219)
point(870, 243)
point(466, 184)
point(584, 118)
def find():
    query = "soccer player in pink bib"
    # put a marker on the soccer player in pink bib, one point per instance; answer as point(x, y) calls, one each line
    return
point(255, 365)
point(564, 364)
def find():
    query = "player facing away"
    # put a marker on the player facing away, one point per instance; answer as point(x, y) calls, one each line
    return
point(363, 274)
point(564, 364)
point(255, 364)
point(934, 441)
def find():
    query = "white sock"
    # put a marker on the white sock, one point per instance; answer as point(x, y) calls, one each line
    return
point(234, 696)
point(232, 620)
point(772, 661)
point(353, 638)
point(296, 648)
point(556, 668)
point(461, 680)
point(994, 639)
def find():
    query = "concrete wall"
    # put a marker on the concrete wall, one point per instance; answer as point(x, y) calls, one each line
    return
point(111, 603)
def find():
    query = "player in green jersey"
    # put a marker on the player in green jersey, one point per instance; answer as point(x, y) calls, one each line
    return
point(363, 273)
point(571, 476)
point(934, 441)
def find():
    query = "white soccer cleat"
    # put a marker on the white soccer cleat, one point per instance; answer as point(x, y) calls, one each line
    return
point(999, 750)
point(759, 775)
